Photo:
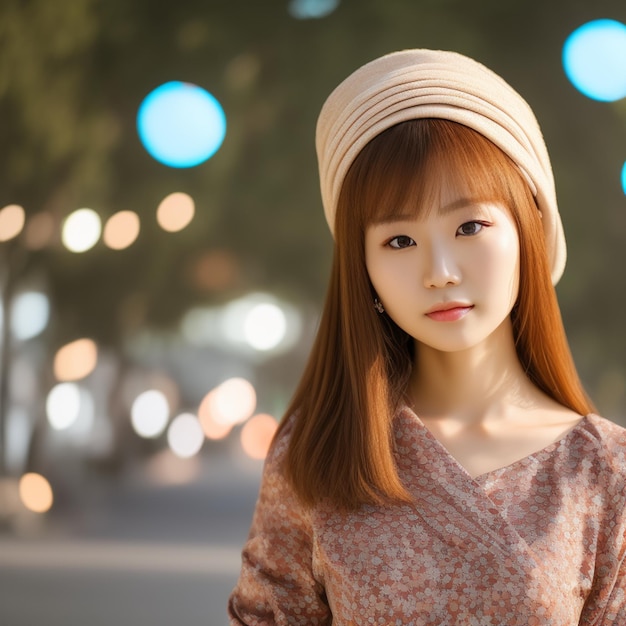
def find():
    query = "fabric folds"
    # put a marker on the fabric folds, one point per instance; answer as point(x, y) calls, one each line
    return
point(540, 542)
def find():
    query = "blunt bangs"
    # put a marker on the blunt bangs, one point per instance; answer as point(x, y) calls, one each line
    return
point(401, 172)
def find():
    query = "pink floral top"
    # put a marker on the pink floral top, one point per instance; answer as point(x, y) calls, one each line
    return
point(539, 542)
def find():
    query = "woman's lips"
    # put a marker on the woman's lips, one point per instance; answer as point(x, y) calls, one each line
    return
point(450, 315)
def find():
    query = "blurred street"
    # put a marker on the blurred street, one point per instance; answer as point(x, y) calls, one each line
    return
point(135, 554)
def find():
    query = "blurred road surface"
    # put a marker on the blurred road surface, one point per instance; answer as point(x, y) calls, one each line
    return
point(132, 553)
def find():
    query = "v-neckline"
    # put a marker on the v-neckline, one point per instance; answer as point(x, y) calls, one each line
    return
point(483, 476)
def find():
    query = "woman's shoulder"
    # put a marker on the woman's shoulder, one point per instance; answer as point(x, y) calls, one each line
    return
point(274, 465)
point(280, 443)
point(607, 432)
point(607, 441)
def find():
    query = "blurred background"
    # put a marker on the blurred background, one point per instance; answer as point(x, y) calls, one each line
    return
point(164, 258)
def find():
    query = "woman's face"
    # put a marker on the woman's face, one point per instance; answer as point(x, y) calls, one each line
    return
point(448, 279)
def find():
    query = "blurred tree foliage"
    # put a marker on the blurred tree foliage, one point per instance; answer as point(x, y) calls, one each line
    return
point(73, 73)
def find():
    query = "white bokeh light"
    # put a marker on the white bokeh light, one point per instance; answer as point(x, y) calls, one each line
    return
point(185, 435)
point(30, 314)
point(259, 324)
point(150, 413)
point(265, 326)
point(81, 230)
point(63, 405)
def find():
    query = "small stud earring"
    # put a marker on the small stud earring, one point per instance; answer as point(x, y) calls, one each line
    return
point(378, 305)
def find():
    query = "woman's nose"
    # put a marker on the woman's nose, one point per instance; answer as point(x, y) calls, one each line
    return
point(441, 269)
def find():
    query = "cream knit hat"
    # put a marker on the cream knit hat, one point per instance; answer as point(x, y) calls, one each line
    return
point(414, 84)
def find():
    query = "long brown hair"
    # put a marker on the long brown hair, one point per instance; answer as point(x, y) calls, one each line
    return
point(341, 447)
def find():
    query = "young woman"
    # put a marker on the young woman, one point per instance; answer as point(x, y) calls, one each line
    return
point(440, 462)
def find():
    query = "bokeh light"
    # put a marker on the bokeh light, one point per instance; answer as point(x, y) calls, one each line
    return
point(18, 434)
point(63, 405)
point(39, 230)
point(185, 435)
point(624, 177)
point(150, 413)
point(180, 124)
point(265, 326)
point(594, 58)
point(81, 230)
point(256, 325)
point(121, 230)
point(260, 322)
point(175, 211)
point(30, 314)
point(137, 380)
point(212, 429)
point(35, 492)
point(257, 435)
point(230, 403)
point(75, 360)
point(311, 9)
point(12, 218)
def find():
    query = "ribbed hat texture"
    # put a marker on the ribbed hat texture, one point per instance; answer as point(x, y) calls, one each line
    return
point(416, 84)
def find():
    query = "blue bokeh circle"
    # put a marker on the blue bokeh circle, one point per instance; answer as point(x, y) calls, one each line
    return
point(594, 59)
point(312, 9)
point(181, 124)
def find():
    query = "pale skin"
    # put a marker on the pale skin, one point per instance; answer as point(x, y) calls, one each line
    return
point(467, 385)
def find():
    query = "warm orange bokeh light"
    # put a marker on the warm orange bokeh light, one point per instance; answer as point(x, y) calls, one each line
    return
point(121, 230)
point(175, 211)
point(12, 218)
point(257, 435)
point(35, 493)
point(211, 428)
point(232, 402)
point(75, 360)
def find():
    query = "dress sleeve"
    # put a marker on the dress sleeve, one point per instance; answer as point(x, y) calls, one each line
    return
point(616, 604)
point(607, 605)
point(277, 584)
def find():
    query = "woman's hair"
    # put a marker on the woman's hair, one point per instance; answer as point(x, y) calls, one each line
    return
point(341, 447)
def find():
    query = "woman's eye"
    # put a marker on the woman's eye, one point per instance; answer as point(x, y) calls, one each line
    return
point(401, 241)
point(469, 228)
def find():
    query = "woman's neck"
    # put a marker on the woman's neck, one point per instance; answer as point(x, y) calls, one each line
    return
point(483, 382)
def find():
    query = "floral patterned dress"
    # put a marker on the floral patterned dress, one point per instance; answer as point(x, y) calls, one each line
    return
point(538, 542)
